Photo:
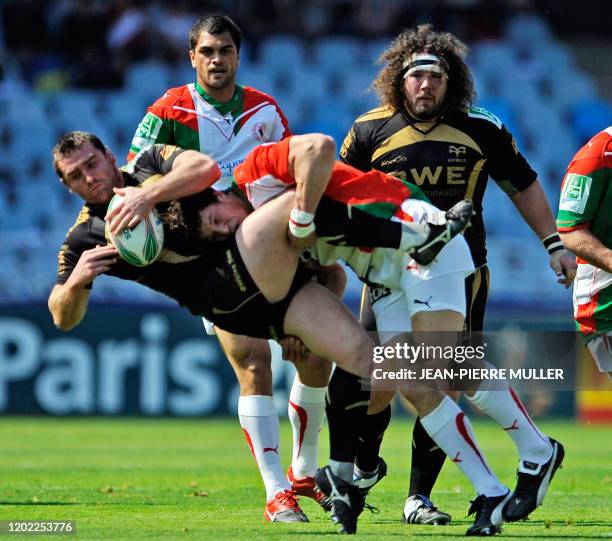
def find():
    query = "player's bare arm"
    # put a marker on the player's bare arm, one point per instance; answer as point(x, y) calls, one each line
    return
point(535, 210)
point(68, 302)
point(191, 172)
point(588, 247)
point(311, 160)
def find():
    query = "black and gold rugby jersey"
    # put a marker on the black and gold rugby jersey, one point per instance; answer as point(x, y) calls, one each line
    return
point(181, 266)
point(449, 160)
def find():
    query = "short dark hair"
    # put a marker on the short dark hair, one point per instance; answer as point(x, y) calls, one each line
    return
point(215, 24)
point(71, 141)
point(184, 214)
point(389, 83)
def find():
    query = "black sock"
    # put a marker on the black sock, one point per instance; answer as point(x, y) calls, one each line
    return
point(343, 417)
point(370, 439)
point(426, 464)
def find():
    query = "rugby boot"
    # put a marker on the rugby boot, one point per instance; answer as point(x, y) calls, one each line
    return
point(488, 511)
point(284, 507)
point(532, 484)
point(457, 220)
point(306, 487)
point(421, 510)
point(346, 499)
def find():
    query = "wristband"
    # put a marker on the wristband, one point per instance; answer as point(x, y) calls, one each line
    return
point(301, 231)
point(301, 217)
point(553, 243)
point(301, 223)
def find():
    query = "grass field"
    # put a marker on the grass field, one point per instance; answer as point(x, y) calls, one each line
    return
point(194, 479)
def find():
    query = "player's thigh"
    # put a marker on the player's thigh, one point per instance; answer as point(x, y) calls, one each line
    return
point(327, 328)
point(314, 371)
point(249, 357)
point(265, 250)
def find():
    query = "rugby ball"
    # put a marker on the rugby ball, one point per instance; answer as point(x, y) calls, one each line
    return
point(143, 244)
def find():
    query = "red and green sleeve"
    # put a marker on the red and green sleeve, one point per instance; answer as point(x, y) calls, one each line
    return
point(586, 191)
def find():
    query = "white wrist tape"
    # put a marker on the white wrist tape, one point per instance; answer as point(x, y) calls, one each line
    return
point(301, 223)
point(301, 217)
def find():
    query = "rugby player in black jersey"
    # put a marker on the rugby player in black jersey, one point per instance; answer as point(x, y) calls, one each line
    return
point(206, 280)
point(427, 132)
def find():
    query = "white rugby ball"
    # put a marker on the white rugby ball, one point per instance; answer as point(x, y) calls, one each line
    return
point(143, 244)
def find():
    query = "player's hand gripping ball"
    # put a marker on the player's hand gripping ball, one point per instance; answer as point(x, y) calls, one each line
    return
point(141, 245)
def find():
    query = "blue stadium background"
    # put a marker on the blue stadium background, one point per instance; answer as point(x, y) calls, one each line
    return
point(543, 67)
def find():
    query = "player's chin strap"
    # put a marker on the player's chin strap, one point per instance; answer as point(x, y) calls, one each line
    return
point(556, 250)
point(301, 223)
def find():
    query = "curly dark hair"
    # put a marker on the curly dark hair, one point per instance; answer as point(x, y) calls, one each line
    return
point(388, 84)
point(183, 215)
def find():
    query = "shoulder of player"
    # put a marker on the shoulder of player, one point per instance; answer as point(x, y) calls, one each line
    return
point(78, 234)
point(180, 95)
point(599, 146)
point(481, 117)
point(253, 96)
point(374, 123)
point(376, 115)
point(596, 154)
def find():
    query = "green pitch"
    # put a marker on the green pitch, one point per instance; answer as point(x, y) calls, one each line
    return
point(195, 479)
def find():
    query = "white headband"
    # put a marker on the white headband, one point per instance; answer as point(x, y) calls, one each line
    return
point(424, 62)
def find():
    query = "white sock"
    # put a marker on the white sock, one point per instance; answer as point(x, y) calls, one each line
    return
point(344, 470)
point(306, 413)
point(259, 420)
point(505, 407)
point(448, 426)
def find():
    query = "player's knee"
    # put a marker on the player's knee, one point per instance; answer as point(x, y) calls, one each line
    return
point(314, 372)
point(345, 392)
point(358, 351)
point(424, 402)
point(253, 368)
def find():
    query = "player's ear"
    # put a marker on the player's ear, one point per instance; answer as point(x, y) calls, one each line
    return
point(192, 58)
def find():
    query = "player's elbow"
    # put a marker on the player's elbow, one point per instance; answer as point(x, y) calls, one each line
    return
point(60, 320)
point(208, 171)
point(62, 323)
point(323, 146)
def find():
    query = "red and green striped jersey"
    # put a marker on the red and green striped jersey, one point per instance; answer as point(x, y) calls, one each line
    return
point(265, 173)
point(188, 117)
point(586, 202)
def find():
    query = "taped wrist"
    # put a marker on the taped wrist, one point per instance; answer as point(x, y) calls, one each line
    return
point(553, 243)
point(301, 223)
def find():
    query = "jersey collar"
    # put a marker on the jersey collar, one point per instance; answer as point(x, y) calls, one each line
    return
point(233, 106)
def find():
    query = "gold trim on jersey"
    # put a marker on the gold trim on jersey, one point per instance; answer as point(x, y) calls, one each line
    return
point(83, 216)
point(409, 136)
point(346, 144)
point(167, 151)
point(220, 311)
point(507, 187)
point(374, 114)
point(169, 256)
point(472, 181)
